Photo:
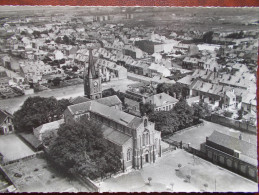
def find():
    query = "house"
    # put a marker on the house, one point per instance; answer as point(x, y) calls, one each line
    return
point(47, 127)
point(162, 101)
point(232, 153)
point(34, 70)
point(4, 79)
point(135, 138)
point(230, 98)
point(190, 63)
point(157, 69)
point(6, 122)
point(249, 103)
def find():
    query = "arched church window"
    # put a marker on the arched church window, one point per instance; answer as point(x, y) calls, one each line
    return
point(145, 122)
point(145, 137)
point(129, 154)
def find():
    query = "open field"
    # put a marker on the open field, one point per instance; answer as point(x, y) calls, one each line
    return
point(197, 135)
point(37, 176)
point(13, 148)
point(164, 174)
point(13, 104)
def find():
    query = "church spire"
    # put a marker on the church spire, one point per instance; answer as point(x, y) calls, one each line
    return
point(91, 68)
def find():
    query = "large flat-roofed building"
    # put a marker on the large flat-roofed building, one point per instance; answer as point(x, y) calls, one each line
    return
point(136, 138)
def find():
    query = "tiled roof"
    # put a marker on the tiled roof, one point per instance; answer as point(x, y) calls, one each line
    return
point(163, 99)
point(227, 141)
point(3, 115)
point(103, 110)
point(109, 101)
point(187, 80)
point(79, 99)
point(49, 126)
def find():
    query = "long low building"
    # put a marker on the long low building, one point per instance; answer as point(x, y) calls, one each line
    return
point(235, 154)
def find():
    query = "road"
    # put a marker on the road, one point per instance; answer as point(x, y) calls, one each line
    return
point(13, 104)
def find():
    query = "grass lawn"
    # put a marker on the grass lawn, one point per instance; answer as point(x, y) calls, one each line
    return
point(12, 148)
point(164, 175)
point(197, 135)
point(38, 176)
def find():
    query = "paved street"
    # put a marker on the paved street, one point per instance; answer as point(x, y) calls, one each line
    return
point(13, 104)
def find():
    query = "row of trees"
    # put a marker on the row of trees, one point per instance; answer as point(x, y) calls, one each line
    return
point(174, 90)
point(180, 117)
point(38, 110)
point(81, 148)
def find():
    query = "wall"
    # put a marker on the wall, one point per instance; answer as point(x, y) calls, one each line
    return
point(88, 182)
point(244, 126)
point(232, 163)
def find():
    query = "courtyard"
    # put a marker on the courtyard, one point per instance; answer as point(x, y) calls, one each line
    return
point(197, 135)
point(194, 175)
point(13, 148)
point(35, 175)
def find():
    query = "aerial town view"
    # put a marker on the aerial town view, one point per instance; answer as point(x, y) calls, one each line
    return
point(128, 99)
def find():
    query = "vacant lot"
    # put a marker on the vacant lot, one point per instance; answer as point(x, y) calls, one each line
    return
point(35, 175)
point(164, 175)
point(197, 135)
point(13, 148)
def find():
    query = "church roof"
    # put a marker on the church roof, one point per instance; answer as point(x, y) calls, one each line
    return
point(114, 136)
point(109, 101)
point(118, 116)
point(79, 99)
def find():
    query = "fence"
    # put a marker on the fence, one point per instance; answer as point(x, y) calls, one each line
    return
point(38, 154)
point(243, 126)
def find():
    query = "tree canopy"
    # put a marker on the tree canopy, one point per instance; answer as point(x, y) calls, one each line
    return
point(38, 110)
point(174, 90)
point(81, 148)
point(146, 108)
point(201, 110)
point(181, 116)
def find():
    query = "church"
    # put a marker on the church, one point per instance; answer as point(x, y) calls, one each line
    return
point(136, 138)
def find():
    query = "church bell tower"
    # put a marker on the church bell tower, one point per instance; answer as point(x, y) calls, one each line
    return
point(92, 80)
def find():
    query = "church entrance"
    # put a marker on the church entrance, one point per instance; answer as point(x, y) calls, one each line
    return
point(146, 158)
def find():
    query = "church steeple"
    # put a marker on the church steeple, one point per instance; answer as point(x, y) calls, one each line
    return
point(92, 80)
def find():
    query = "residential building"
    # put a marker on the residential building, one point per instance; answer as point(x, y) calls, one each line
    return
point(162, 101)
point(6, 122)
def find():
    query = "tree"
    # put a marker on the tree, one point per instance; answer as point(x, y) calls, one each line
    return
point(184, 113)
point(56, 81)
point(149, 180)
point(75, 68)
point(146, 108)
point(36, 111)
point(81, 148)
point(201, 110)
point(163, 87)
point(165, 121)
point(174, 90)
point(207, 37)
